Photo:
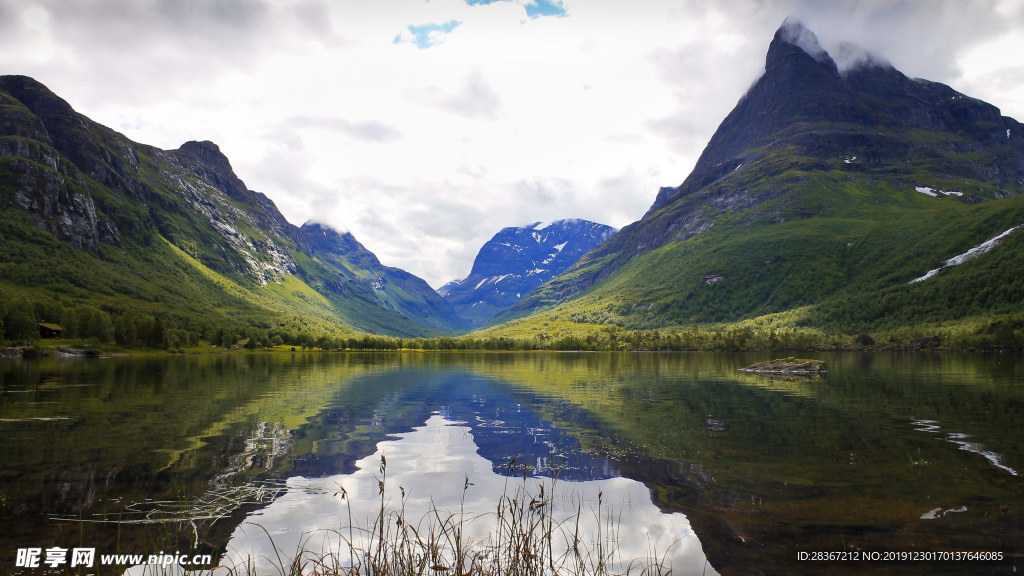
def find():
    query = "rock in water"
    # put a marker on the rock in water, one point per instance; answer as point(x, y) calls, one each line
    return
point(787, 366)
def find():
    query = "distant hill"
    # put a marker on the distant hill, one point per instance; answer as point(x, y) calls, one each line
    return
point(517, 260)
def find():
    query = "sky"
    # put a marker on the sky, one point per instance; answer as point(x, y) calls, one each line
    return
point(424, 128)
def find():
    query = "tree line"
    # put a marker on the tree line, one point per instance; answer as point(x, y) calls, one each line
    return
point(93, 327)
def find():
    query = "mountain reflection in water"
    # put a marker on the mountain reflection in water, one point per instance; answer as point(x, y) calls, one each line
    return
point(432, 464)
point(200, 454)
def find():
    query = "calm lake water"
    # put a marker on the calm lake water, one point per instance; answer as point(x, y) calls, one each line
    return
point(676, 456)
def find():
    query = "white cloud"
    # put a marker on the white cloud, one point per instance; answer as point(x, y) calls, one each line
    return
point(480, 116)
point(474, 99)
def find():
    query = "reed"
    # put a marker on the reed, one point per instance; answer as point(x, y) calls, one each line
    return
point(526, 538)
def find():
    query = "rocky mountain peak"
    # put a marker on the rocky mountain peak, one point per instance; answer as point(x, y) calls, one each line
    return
point(36, 97)
point(322, 228)
point(856, 120)
point(209, 155)
point(326, 239)
point(793, 39)
point(517, 260)
point(206, 159)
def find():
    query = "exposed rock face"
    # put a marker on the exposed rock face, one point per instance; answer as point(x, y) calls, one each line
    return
point(52, 190)
point(52, 153)
point(517, 260)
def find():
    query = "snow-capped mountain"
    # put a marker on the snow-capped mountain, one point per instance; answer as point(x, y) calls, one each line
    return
point(517, 260)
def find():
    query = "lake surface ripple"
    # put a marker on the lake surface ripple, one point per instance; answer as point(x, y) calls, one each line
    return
point(673, 456)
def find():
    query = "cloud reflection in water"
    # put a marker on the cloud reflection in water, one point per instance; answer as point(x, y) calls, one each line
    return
point(432, 463)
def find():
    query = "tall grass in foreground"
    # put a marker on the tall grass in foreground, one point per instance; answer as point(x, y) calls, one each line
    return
point(526, 538)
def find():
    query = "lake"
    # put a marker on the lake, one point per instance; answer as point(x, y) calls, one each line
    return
point(891, 463)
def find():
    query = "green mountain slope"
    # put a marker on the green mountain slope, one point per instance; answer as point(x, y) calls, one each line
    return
point(821, 196)
point(91, 219)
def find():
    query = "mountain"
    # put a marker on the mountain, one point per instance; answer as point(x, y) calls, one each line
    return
point(517, 260)
point(94, 224)
point(825, 191)
point(349, 264)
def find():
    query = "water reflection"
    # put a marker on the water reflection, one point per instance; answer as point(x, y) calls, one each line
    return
point(760, 468)
point(960, 439)
point(437, 467)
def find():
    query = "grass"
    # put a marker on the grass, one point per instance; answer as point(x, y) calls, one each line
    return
point(527, 536)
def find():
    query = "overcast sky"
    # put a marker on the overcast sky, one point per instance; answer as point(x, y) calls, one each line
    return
point(426, 127)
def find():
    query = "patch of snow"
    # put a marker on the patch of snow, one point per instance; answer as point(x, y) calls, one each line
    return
point(940, 512)
point(926, 276)
point(937, 192)
point(1007, 133)
point(480, 283)
point(558, 223)
point(849, 159)
point(447, 289)
point(981, 248)
point(560, 246)
point(970, 254)
point(536, 237)
point(535, 271)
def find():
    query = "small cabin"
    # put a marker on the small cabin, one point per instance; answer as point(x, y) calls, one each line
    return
point(48, 330)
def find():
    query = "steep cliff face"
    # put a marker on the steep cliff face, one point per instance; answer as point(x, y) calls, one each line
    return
point(810, 139)
point(33, 172)
point(519, 259)
point(101, 193)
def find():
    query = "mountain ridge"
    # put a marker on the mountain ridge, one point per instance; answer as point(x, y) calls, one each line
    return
point(833, 184)
point(517, 260)
point(806, 141)
point(112, 198)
